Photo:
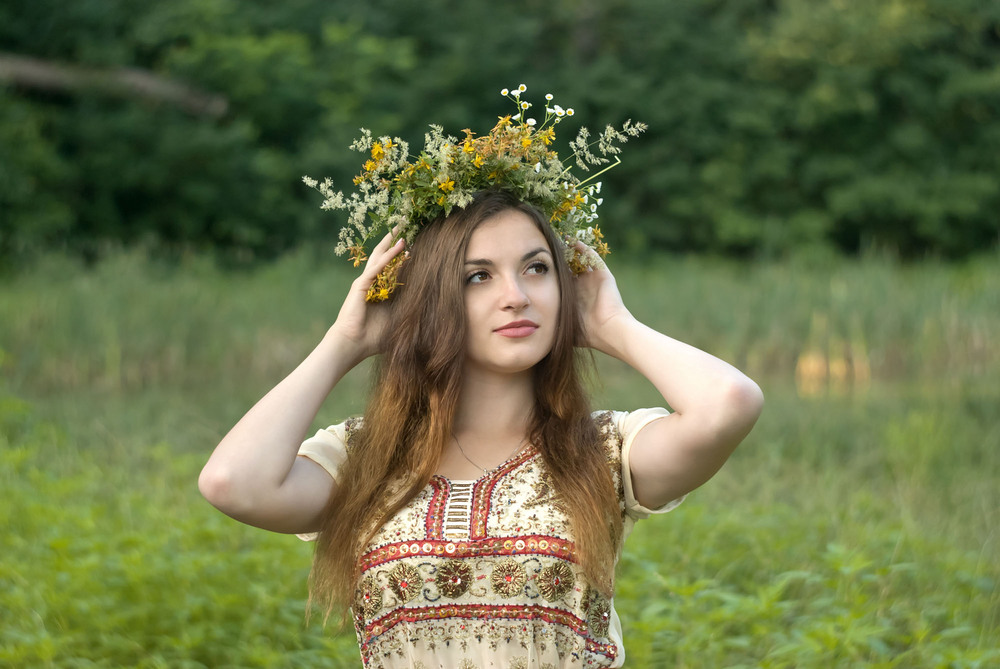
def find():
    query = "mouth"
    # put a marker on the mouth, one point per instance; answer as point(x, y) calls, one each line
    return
point(517, 329)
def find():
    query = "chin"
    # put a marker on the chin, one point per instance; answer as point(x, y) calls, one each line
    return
point(509, 366)
point(514, 357)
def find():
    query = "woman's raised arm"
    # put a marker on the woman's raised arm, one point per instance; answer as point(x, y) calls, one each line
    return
point(714, 404)
point(253, 475)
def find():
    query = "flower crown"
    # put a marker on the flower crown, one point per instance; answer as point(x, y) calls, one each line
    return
point(397, 192)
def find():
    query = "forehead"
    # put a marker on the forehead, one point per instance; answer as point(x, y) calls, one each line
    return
point(509, 231)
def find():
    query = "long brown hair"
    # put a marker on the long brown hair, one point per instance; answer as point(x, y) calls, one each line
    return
point(408, 421)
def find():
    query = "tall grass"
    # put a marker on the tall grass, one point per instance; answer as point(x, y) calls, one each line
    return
point(857, 526)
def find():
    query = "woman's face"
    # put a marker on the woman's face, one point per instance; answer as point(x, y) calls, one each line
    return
point(511, 294)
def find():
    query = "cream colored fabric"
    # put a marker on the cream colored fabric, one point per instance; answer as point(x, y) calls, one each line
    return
point(504, 593)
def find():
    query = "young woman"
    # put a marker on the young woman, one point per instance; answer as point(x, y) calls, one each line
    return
point(473, 516)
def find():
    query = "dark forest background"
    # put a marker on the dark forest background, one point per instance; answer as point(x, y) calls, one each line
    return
point(776, 126)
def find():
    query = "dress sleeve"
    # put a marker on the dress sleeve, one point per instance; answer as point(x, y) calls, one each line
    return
point(628, 424)
point(328, 449)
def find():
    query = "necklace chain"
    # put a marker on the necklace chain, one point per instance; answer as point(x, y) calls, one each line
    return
point(480, 467)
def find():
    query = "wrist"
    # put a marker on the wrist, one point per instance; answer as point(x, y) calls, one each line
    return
point(347, 351)
point(613, 335)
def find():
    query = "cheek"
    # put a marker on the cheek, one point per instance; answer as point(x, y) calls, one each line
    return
point(476, 308)
point(554, 296)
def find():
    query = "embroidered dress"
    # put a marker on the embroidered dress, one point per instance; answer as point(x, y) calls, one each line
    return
point(480, 573)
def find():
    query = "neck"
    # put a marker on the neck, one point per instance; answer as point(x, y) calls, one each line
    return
point(496, 405)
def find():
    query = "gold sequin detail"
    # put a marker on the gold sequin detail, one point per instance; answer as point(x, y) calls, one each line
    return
point(404, 581)
point(598, 611)
point(453, 578)
point(555, 581)
point(544, 493)
point(368, 598)
point(508, 578)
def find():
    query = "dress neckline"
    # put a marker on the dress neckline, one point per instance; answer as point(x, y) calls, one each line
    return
point(526, 452)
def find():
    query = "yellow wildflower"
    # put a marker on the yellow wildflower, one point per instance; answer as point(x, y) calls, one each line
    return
point(447, 186)
point(478, 160)
point(377, 151)
point(358, 254)
point(369, 165)
point(526, 142)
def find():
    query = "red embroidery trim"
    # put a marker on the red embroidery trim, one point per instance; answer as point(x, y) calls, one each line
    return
point(435, 511)
point(482, 492)
point(536, 544)
point(380, 626)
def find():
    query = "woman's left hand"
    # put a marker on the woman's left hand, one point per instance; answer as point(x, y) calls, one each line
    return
point(600, 303)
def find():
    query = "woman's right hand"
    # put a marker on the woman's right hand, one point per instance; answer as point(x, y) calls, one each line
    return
point(359, 321)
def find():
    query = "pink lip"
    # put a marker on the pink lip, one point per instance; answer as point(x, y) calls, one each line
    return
point(517, 329)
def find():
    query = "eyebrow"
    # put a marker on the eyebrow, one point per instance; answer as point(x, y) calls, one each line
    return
point(489, 263)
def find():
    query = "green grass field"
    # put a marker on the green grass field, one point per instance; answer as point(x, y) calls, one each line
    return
point(858, 526)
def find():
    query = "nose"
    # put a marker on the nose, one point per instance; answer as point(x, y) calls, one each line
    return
point(514, 296)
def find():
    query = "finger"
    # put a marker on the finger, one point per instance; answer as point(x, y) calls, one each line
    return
point(382, 246)
point(394, 251)
point(386, 242)
point(382, 254)
point(595, 261)
point(388, 248)
point(373, 268)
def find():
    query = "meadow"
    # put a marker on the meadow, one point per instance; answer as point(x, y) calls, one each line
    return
point(858, 525)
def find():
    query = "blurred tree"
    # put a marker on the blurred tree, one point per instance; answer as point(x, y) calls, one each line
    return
point(141, 169)
point(897, 112)
point(31, 175)
point(775, 125)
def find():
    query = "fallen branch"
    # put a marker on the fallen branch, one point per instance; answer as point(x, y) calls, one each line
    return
point(123, 82)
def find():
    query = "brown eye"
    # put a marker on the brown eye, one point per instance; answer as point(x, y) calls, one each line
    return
point(477, 277)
